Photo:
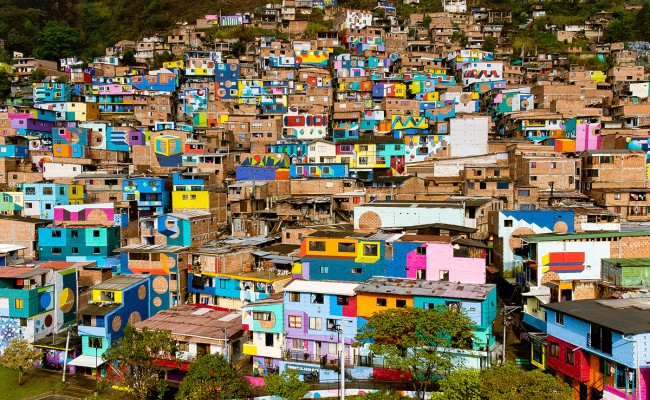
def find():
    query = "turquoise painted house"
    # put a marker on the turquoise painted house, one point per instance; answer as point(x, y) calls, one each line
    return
point(78, 243)
point(114, 304)
point(264, 323)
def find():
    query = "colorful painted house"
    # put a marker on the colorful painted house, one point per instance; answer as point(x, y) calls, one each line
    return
point(345, 255)
point(263, 168)
point(319, 171)
point(11, 203)
point(150, 193)
point(263, 321)
point(36, 301)
point(437, 258)
point(40, 198)
point(479, 302)
point(166, 264)
point(596, 346)
point(78, 243)
point(316, 314)
point(114, 304)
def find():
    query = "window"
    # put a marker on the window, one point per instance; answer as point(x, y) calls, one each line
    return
point(261, 316)
point(74, 233)
point(503, 185)
point(316, 324)
point(56, 250)
point(346, 247)
point(421, 274)
point(617, 196)
point(559, 318)
point(295, 321)
point(421, 251)
point(554, 349)
point(533, 178)
point(569, 357)
point(523, 193)
point(95, 343)
point(316, 246)
point(56, 233)
point(18, 304)
point(553, 164)
point(363, 147)
point(183, 346)
point(443, 275)
point(600, 338)
point(324, 270)
point(537, 351)
point(332, 348)
point(342, 300)
point(356, 271)
point(96, 250)
point(294, 297)
point(381, 302)
point(363, 160)
point(482, 185)
point(400, 303)
point(370, 250)
point(75, 250)
point(268, 339)
point(47, 190)
point(317, 298)
point(96, 233)
point(507, 223)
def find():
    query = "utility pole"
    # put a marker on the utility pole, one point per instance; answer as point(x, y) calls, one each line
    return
point(342, 360)
point(65, 355)
point(507, 310)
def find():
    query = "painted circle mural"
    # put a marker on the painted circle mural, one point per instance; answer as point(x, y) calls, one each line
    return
point(45, 300)
point(560, 227)
point(514, 242)
point(550, 277)
point(134, 317)
point(369, 219)
point(117, 323)
point(66, 300)
point(268, 324)
point(157, 302)
point(48, 320)
point(160, 285)
point(142, 292)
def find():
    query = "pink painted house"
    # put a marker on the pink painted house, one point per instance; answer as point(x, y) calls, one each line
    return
point(442, 258)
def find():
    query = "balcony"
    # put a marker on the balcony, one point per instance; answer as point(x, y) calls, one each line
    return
point(98, 331)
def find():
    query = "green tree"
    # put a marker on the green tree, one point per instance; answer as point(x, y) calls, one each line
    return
point(489, 43)
point(5, 84)
point(418, 341)
point(133, 359)
point(19, 355)
point(382, 394)
point(58, 40)
point(38, 75)
point(508, 382)
point(502, 382)
point(160, 59)
point(211, 377)
point(128, 58)
point(286, 385)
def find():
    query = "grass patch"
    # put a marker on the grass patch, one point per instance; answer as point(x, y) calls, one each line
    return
point(32, 384)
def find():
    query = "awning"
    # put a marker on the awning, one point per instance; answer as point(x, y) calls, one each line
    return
point(87, 361)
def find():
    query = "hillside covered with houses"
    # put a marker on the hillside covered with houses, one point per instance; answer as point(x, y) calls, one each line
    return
point(261, 183)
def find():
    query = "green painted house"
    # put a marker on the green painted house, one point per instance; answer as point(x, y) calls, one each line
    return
point(626, 271)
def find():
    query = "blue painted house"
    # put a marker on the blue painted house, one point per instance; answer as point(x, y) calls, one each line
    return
point(39, 199)
point(315, 314)
point(319, 171)
point(343, 255)
point(599, 346)
point(150, 192)
point(114, 304)
point(78, 243)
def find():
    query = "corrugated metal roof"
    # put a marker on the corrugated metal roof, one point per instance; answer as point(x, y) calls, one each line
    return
point(120, 282)
point(7, 248)
point(192, 320)
point(422, 288)
point(325, 287)
point(551, 237)
point(144, 248)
